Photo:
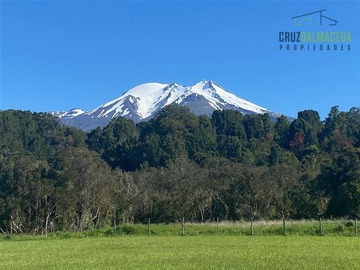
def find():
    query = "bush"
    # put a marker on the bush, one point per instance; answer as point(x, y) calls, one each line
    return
point(339, 228)
point(128, 229)
point(349, 223)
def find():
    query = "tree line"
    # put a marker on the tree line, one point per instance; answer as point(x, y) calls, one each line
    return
point(230, 166)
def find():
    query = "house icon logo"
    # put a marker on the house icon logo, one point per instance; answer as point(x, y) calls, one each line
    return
point(316, 16)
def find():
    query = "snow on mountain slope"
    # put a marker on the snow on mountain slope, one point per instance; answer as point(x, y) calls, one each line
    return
point(68, 114)
point(144, 96)
point(143, 101)
point(218, 95)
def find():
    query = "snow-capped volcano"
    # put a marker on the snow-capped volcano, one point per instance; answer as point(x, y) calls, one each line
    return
point(141, 102)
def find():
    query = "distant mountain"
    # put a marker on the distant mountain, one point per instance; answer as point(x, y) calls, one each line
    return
point(143, 101)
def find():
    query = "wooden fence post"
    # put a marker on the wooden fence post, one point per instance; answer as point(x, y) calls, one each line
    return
point(183, 227)
point(251, 226)
point(114, 221)
point(356, 231)
point(11, 229)
point(320, 227)
point(284, 226)
point(149, 231)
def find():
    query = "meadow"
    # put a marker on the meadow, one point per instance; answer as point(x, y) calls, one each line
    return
point(226, 245)
point(189, 252)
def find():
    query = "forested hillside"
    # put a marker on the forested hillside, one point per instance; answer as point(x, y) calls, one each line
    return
point(230, 166)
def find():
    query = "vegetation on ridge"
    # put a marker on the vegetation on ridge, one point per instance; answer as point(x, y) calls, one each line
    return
point(176, 165)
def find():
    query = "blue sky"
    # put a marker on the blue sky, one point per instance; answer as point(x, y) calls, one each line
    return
point(57, 55)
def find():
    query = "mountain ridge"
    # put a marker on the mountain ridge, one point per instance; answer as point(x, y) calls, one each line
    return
point(141, 102)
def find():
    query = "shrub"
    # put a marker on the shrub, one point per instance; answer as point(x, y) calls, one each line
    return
point(128, 229)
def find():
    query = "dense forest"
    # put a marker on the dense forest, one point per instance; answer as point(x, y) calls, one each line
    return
point(230, 166)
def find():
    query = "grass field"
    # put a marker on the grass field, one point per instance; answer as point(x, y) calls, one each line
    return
point(189, 252)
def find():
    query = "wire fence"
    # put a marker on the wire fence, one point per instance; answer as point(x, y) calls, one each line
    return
point(284, 227)
point(315, 227)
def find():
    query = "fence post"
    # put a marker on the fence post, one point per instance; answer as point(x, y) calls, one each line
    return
point(114, 221)
point(149, 231)
point(251, 226)
point(320, 227)
point(11, 229)
point(114, 226)
point(217, 224)
point(284, 226)
point(356, 231)
point(183, 227)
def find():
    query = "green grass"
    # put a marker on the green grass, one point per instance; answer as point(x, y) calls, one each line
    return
point(189, 252)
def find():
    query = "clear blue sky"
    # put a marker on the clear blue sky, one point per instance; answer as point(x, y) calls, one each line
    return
point(57, 55)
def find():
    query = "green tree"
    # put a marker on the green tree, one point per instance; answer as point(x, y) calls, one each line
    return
point(116, 143)
point(281, 127)
point(83, 191)
point(339, 181)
